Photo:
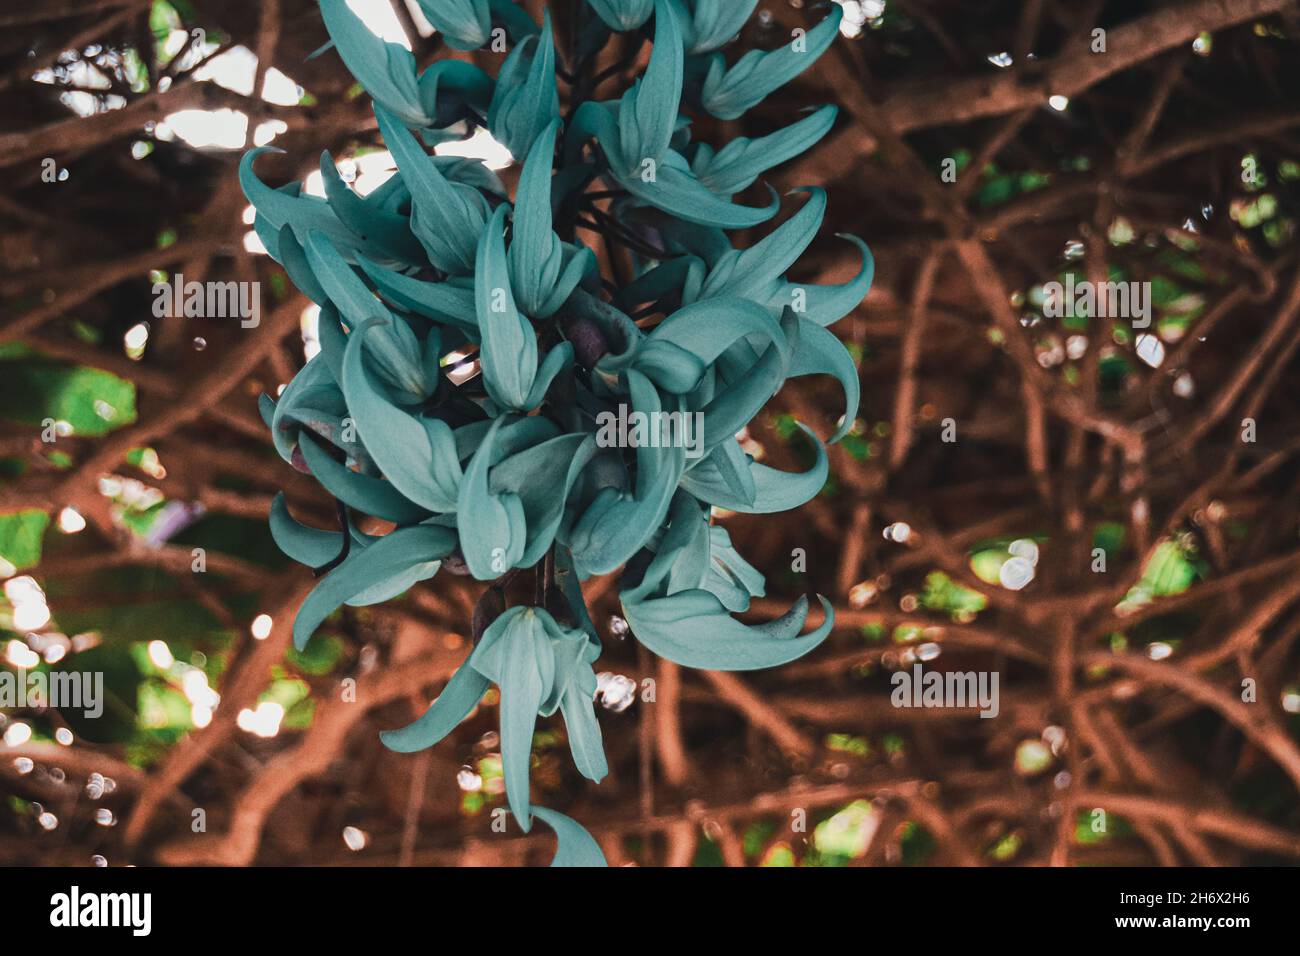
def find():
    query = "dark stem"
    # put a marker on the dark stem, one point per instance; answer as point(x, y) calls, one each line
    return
point(342, 511)
point(608, 225)
point(624, 63)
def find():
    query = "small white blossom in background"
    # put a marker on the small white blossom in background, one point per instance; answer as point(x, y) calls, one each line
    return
point(898, 532)
point(468, 780)
point(1015, 573)
point(355, 839)
point(614, 691)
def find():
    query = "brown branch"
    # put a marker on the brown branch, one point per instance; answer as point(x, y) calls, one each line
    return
point(920, 106)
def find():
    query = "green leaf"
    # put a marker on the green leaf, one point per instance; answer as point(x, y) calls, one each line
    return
point(22, 534)
point(92, 401)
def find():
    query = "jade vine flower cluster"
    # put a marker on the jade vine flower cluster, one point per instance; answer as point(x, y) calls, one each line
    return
point(469, 344)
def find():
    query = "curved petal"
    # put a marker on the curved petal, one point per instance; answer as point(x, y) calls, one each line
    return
point(676, 191)
point(542, 476)
point(557, 359)
point(450, 87)
point(284, 207)
point(389, 232)
point(738, 164)
point(819, 352)
point(444, 302)
point(647, 114)
point(616, 525)
point(693, 629)
point(386, 70)
point(526, 100)
point(447, 217)
point(465, 24)
point(418, 456)
point(367, 494)
point(751, 272)
point(746, 393)
point(827, 304)
point(774, 490)
point(717, 21)
point(703, 331)
point(575, 847)
point(729, 93)
point(509, 352)
point(497, 540)
point(310, 546)
point(731, 578)
point(418, 548)
point(585, 741)
point(623, 15)
point(394, 349)
point(520, 659)
point(461, 695)
point(535, 255)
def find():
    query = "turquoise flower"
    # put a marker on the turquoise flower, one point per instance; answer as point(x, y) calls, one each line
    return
point(472, 351)
point(466, 24)
point(526, 100)
point(539, 667)
point(623, 15)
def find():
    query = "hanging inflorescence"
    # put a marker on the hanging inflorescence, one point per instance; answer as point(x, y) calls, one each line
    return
point(473, 359)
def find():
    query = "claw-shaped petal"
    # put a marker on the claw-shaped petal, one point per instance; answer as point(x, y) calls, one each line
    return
point(575, 846)
point(729, 93)
point(407, 554)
